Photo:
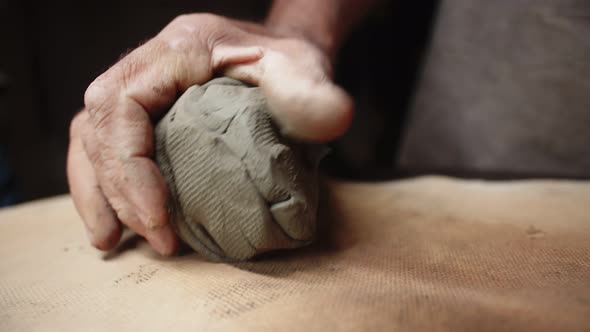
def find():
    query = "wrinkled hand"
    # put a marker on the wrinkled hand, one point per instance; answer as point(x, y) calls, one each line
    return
point(113, 180)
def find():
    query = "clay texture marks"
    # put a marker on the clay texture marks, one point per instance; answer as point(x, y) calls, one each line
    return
point(237, 187)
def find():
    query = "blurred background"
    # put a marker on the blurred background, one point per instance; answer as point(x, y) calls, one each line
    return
point(51, 51)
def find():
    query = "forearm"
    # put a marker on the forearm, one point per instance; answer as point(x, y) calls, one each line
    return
point(323, 22)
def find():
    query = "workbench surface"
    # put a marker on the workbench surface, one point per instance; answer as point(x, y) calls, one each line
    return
point(424, 254)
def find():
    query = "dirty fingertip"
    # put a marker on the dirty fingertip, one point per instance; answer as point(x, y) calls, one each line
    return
point(163, 240)
point(105, 238)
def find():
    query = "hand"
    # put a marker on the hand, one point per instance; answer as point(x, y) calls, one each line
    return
point(113, 180)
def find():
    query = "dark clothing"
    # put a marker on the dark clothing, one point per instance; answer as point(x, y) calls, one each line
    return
point(505, 90)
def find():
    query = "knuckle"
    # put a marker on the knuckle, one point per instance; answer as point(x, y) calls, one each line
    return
point(95, 99)
point(159, 46)
point(212, 26)
point(98, 91)
point(209, 20)
point(78, 123)
point(101, 117)
point(124, 72)
point(181, 19)
point(201, 26)
point(196, 19)
point(101, 95)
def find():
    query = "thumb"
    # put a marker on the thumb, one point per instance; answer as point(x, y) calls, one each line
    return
point(302, 99)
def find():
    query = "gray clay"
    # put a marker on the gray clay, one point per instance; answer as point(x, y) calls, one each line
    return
point(237, 187)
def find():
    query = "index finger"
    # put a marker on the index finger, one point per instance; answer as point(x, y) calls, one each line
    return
point(122, 104)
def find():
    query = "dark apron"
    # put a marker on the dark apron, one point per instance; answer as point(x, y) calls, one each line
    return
point(505, 90)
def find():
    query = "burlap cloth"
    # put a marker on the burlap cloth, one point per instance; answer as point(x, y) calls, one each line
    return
point(429, 254)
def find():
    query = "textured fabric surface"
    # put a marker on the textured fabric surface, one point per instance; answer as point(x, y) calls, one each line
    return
point(505, 89)
point(237, 187)
point(427, 254)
